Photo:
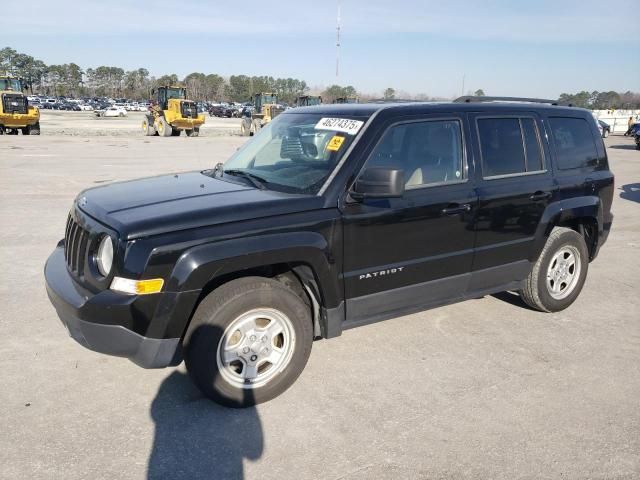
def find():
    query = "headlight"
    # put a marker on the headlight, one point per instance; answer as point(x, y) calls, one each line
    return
point(104, 257)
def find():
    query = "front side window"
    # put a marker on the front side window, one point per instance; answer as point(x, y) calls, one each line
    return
point(294, 153)
point(574, 144)
point(509, 146)
point(428, 152)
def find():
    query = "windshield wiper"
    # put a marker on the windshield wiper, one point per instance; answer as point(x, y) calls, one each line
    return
point(255, 180)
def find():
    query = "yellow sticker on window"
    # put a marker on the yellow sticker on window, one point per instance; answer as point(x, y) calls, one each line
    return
point(335, 143)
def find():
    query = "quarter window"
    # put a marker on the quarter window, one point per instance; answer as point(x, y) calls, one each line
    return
point(428, 152)
point(574, 143)
point(509, 146)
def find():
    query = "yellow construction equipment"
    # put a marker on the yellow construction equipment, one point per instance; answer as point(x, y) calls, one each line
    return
point(172, 113)
point(346, 100)
point(266, 109)
point(15, 112)
point(308, 101)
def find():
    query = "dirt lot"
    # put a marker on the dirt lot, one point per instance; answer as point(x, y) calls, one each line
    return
point(481, 389)
point(87, 124)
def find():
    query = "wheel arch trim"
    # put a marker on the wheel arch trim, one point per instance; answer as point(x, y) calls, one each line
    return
point(564, 212)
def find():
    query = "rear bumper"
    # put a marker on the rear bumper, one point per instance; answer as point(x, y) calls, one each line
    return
point(75, 305)
point(603, 234)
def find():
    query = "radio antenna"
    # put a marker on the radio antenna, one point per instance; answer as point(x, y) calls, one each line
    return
point(338, 43)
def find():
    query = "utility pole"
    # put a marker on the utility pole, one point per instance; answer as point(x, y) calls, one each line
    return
point(338, 43)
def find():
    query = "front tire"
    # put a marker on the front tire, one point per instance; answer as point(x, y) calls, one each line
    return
point(558, 276)
point(248, 341)
point(164, 129)
point(147, 127)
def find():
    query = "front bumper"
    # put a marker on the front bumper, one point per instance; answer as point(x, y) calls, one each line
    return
point(75, 306)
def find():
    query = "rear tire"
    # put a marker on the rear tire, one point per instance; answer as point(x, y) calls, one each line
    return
point(248, 341)
point(558, 276)
point(34, 129)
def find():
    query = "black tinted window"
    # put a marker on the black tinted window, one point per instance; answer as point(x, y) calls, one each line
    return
point(532, 143)
point(501, 146)
point(574, 144)
point(428, 152)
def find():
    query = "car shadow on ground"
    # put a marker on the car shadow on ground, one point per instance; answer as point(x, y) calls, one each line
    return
point(631, 192)
point(197, 439)
point(623, 147)
point(512, 298)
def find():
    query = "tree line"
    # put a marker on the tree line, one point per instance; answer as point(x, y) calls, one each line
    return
point(71, 80)
point(603, 100)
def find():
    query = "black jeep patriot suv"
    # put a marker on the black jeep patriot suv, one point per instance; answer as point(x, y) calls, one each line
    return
point(332, 217)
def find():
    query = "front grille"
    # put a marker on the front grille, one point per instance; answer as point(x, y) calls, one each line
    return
point(189, 110)
point(76, 241)
point(14, 103)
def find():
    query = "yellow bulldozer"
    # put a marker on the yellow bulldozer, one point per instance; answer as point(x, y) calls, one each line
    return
point(172, 113)
point(308, 101)
point(266, 108)
point(15, 112)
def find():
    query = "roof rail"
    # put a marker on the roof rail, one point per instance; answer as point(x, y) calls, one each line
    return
point(393, 100)
point(473, 99)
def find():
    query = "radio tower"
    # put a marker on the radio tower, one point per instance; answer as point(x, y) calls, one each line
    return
point(338, 43)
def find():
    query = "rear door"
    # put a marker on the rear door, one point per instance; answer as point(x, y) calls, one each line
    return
point(514, 184)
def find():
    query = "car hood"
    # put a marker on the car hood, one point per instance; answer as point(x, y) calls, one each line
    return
point(168, 203)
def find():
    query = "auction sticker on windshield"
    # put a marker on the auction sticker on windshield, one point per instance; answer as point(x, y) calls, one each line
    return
point(344, 125)
point(335, 143)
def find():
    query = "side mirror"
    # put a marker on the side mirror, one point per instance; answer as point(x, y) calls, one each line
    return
point(378, 182)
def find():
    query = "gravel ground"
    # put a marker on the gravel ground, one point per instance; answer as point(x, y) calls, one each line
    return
point(481, 389)
point(85, 124)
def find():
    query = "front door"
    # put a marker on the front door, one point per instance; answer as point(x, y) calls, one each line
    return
point(405, 254)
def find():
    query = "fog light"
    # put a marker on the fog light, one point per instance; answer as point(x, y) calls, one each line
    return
point(137, 287)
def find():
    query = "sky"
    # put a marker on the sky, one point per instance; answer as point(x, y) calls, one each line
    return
point(536, 48)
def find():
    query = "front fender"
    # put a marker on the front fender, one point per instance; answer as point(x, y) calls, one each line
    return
point(563, 212)
point(199, 265)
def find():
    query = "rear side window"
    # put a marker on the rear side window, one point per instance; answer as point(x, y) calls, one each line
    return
point(574, 144)
point(509, 146)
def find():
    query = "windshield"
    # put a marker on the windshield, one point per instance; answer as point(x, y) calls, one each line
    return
point(10, 84)
point(295, 153)
point(175, 93)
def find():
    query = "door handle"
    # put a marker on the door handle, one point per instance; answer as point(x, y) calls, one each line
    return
point(539, 196)
point(456, 209)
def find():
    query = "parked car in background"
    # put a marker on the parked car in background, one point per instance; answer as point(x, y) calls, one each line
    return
point(635, 132)
point(216, 111)
point(605, 128)
point(111, 112)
